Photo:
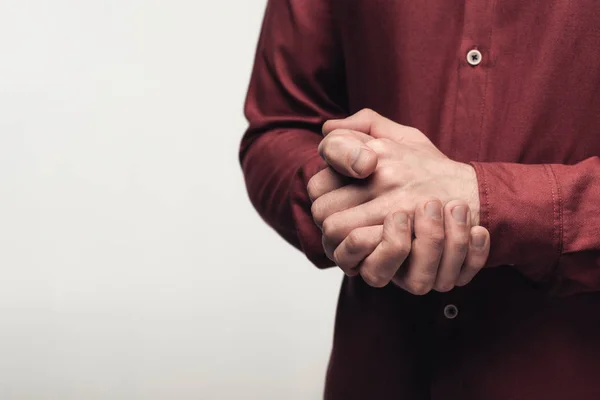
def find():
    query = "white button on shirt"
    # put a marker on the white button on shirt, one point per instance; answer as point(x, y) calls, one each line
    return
point(474, 57)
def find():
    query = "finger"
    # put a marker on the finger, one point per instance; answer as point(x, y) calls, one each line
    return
point(345, 151)
point(364, 121)
point(380, 266)
point(325, 181)
point(477, 255)
point(420, 273)
point(373, 124)
point(355, 247)
point(337, 226)
point(456, 244)
point(340, 199)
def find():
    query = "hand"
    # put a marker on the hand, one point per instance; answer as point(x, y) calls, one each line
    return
point(428, 266)
point(446, 252)
point(401, 163)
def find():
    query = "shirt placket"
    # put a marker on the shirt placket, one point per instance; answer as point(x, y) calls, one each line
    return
point(475, 59)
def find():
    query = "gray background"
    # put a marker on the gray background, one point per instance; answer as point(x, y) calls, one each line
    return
point(132, 265)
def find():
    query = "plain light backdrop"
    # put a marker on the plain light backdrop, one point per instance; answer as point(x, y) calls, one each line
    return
point(132, 265)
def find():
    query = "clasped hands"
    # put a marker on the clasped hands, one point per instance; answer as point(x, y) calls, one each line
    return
point(393, 208)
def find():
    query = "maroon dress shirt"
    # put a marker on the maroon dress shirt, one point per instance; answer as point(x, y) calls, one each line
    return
point(510, 86)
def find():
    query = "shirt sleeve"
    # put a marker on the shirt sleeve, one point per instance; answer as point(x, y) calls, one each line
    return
point(545, 221)
point(297, 84)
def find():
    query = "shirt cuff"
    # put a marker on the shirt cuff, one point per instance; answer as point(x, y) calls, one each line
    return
point(309, 234)
point(520, 205)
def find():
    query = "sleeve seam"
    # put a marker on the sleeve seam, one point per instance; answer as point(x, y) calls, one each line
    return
point(488, 214)
point(484, 201)
point(558, 234)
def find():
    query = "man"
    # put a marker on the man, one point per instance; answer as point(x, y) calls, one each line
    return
point(486, 118)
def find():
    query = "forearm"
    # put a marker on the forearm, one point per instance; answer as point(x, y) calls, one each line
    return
point(544, 219)
point(277, 167)
point(297, 84)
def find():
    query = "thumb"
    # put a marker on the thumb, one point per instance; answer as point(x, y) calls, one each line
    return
point(347, 153)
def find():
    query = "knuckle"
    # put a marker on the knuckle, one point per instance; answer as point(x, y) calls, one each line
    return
point(415, 135)
point(402, 249)
point(373, 279)
point(444, 287)
point(454, 203)
point(468, 266)
point(312, 189)
point(330, 228)
point(344, 265)
point(340, 137)
point(328, 248)
point(376, 146)
point(460, 243)
point(354, 241)
point(385, 175)
point(463, 282)
point(437, 239)
point(414, 130)
point(317, 212)
point(336, 135)
point(379, 146)
point(366, 113)
point(340, 260)
point(418, 288)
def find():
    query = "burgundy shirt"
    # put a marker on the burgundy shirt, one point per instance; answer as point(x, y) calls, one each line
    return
point(527, 117)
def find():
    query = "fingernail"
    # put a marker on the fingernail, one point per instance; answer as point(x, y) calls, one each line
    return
point(359, 160)
point(434, 209)
point(401, 219)
point(479, 241)
point(459, 213)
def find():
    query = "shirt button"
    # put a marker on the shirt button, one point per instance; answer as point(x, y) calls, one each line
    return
point(474, 57)
point(450, 311)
